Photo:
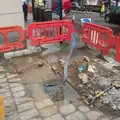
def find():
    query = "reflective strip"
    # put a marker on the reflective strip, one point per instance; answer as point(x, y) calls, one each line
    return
point(41, 3)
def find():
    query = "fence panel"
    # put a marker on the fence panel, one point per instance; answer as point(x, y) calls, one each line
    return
point(99, 37)
point(8, 46)
point(50, 32)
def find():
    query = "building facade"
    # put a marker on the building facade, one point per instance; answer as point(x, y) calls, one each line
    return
point(11, 13)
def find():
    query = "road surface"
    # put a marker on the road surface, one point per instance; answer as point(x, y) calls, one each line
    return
point(95, 19)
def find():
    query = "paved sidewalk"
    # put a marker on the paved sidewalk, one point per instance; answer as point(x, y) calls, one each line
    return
point(26, 108)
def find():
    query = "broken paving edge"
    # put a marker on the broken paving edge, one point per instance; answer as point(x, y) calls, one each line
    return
point(70, 83)
point(21, 53)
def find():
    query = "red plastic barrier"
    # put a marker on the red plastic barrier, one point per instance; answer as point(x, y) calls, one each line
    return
point(117, 48)
point(49, 32)
point(7, 46)
point(98, 36)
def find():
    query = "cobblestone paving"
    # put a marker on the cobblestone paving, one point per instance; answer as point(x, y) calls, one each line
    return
point(15, 95)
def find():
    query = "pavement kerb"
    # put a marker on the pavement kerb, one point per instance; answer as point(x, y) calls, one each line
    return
point(28, 51)
point(20, 53)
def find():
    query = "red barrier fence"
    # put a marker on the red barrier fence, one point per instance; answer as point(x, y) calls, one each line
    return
point(98, 36)
point(50, 32)
point(7, 46)
point(117, 48)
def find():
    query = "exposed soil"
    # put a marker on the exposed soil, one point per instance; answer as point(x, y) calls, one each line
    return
point(35, 77)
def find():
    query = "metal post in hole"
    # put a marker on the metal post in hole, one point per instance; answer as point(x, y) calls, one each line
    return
point(60, 17)
point(33, 9)
point(117, 2)
point(60, 10)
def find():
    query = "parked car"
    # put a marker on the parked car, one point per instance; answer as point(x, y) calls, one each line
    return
point(113, 15)
point(76, 6)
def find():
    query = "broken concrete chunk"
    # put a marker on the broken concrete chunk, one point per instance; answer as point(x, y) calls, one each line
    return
point(80, 75)
point(114, 107)
point(52, 59)
point(108, 66)
point(86, 59)
point(90, 69)
point(40, 63)
point(62, 61)
point(54, 67)
point(83, 77)
point(80, 86)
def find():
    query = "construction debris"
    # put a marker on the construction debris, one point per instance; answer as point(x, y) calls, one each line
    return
point(83, 77)
point(91, 82)
point(54, 67)
point(91, 68)
point(39, 64)
point(62, 61)
point(58, 95)
point(86, 59)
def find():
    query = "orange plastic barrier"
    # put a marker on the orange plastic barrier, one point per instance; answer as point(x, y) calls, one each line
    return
point(7, 46)
point(97, 36)
point(49, 32)
point(117, 48)
point(2, 111)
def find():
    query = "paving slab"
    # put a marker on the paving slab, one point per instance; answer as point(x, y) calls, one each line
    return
point(67, 109)
point(55, 117)
point(44, 103)
point(17, 88)
point(47, 112)
point(104, 118)
point(22, 100)
point(25, 106)
point(19, 94)
point(27, 115)
point(14, 116)
point(93, 115)
point(84, 109)
point(76, 116)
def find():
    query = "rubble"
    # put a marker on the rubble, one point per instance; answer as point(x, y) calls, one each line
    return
point(86, 59)
point(40, 63)
point(90, 80)
point(90, 68)
point(85, 78)
point(62, 61)
point(54, 67)
point(80, 75)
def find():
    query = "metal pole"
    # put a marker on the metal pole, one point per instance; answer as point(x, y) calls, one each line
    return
point(60, 17)
point(33, 9)
point(117, 2)
point(60, 9)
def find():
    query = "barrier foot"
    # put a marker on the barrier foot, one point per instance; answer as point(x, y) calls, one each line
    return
point(43, 49)
point(85, 47)
point(100, 56)
point(61, 42)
